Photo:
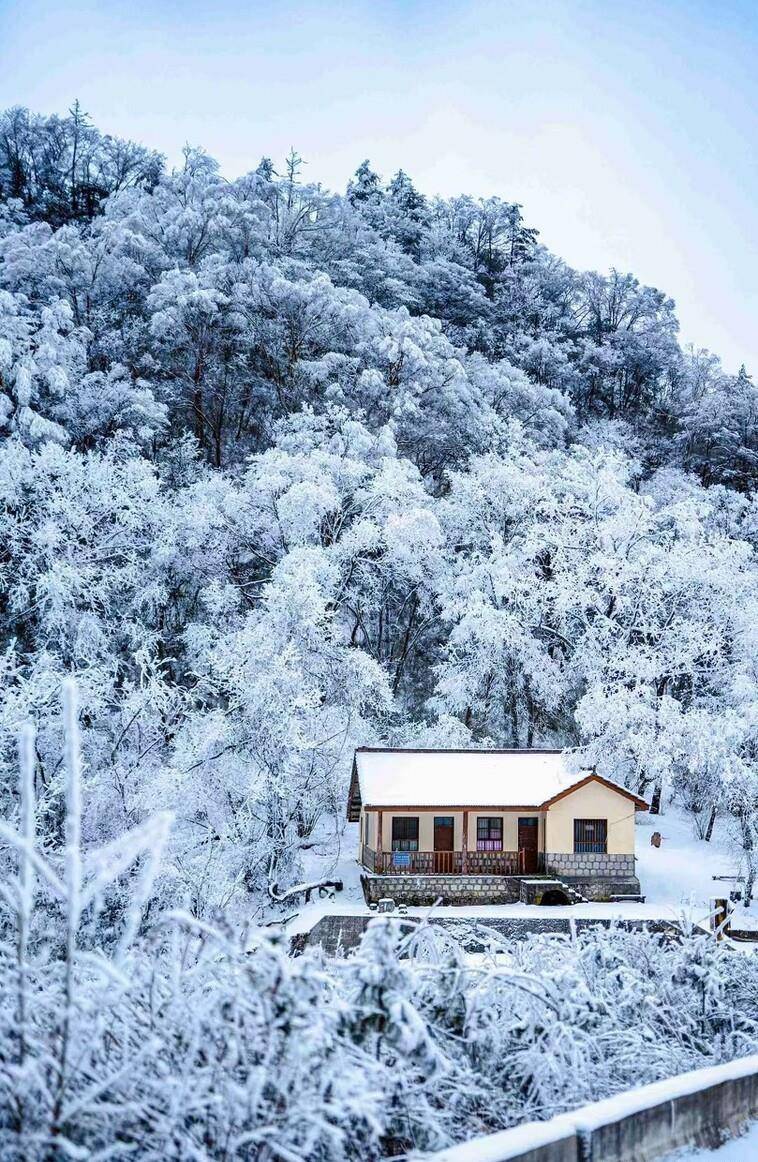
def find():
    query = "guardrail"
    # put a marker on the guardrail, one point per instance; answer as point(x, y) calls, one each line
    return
point(702, 1108)
point(428, 863)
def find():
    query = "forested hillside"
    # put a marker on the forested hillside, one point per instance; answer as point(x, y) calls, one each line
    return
point(285, 471)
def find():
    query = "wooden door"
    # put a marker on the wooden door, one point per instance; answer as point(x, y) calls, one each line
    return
point(528, 844)
point(444, 828)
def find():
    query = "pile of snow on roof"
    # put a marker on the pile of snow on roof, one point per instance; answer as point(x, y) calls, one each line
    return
point(475, 778)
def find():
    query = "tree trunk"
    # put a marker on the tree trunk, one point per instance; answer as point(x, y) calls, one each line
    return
point(531, 714)
point(198, 403)
point(711, 821)
point(748, 846)
point(655, 801)
point(406, 642)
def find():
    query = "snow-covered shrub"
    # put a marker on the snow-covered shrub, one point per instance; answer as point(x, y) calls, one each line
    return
point(162, 1035)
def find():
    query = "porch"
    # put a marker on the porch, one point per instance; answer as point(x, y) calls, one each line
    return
point(462, 842)
point(451, 863)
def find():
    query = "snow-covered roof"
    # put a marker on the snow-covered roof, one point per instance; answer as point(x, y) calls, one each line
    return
point(464, 778)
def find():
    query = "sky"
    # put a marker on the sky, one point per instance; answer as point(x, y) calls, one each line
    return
point(627, 130)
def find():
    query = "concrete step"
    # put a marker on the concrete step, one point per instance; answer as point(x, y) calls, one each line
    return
point(575, 896)
point(533, 889)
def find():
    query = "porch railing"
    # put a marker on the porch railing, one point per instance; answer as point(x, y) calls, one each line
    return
point(427, 863)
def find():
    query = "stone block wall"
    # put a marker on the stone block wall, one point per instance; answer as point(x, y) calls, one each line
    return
point(598, 890)
point(532, 891)
point(422, 891)
point(588, 865)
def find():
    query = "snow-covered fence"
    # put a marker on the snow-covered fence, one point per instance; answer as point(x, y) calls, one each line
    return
point(701, 1108)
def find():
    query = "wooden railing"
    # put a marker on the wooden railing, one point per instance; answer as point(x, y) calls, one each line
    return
point(495, 863)
point(427, 863)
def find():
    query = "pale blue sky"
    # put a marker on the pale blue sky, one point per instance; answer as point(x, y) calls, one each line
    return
point(628, 131)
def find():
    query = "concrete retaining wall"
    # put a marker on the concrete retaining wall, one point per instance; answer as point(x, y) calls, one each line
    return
point(599, 890)
point(702, 1108)
point(343, 933)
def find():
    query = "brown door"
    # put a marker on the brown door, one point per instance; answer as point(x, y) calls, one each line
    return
point(528, 844)
point(443, 843)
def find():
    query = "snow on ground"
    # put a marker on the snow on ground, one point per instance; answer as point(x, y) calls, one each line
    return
point(738, 1150)
point(309, 915)
point(680, 872)
point(676, 879)
point(681, 869)
point(576, 911)
point(334, 858)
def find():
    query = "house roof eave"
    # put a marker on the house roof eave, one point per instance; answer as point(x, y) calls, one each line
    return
point(404, 809)
point(593, 777)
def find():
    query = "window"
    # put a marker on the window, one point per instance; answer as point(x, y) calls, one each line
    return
point(590, 835)
point(489, 833)
point(405, 833)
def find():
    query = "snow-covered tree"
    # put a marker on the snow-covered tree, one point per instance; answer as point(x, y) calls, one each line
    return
point(283, 471)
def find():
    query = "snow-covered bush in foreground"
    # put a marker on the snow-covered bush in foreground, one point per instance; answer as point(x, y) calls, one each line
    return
point(127, 1032)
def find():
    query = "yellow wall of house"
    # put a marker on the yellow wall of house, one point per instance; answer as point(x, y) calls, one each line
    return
point(426, 827)
point(592, 801)
point(368, 828)
point(510, 826)
point(556, 825)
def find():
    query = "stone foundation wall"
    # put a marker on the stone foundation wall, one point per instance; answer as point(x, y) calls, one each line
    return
point(598, 890)
point(596, 877)
point(589, 865)
point(532, 891)
point(421, 891)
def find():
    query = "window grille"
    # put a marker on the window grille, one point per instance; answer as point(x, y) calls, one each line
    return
point(590, 835)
